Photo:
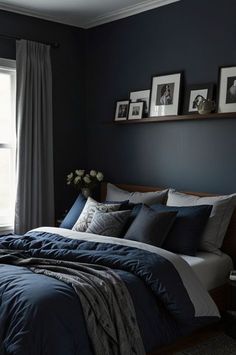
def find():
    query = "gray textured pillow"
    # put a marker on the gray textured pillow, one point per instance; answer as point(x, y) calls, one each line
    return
point(219, 219)
point(114, 193)
point(108, 223)
point(90, 208)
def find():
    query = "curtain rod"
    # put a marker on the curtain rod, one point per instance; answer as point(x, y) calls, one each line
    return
point(52, 44)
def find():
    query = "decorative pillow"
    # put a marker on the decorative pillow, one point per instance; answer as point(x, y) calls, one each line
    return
point(150, 227)
point(90, 208)
point(222, 209)
point(74, 212)
point(108, 223)
point(114, 193)
point(185, 234)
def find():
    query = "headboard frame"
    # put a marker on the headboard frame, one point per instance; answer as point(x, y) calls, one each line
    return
point(229, 244)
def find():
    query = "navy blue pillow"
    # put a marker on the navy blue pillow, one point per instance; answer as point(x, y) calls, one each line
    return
point(150, 227)
point(78, 206)
point(74, 212)
point(185, 234)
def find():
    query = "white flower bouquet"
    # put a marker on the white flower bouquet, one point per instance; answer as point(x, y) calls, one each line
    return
point(82, 180)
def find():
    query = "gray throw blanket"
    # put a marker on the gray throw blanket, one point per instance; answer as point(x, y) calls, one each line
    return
point(107, 305)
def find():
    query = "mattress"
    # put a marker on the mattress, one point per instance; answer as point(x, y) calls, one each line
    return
point(212, 270)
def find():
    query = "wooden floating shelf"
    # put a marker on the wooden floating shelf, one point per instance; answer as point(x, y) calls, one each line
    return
point(194, 116)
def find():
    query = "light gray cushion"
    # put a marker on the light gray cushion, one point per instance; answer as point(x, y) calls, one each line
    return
point(149, 198)
point(90, 208)
point(108, 223)
point(223, 207)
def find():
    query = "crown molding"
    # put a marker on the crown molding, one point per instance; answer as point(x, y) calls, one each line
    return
point(32, 13)
point(126, 12)
point(105, 18)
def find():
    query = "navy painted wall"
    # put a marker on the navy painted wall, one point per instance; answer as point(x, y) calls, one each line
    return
point(68, 91)
point(194, 36)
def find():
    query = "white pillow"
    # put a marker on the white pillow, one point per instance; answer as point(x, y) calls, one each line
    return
point(114, 193)
point(88, 212)
point(223, 207)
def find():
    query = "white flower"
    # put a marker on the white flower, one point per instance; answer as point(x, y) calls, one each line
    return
point(100, 176)
point(93, 173)
point(80, 172)
point(77, 179)
point(70, 176)
point(87, 179)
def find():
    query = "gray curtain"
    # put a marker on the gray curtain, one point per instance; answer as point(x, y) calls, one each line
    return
point(35, 188)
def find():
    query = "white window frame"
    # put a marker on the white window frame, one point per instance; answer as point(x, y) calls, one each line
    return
point(10, 66)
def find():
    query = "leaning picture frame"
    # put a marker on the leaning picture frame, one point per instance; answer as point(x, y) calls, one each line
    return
point(227, 89)
point(165, 93)
point(136, 110)
point(122, 109)
point(195, 94)
point(139, 96)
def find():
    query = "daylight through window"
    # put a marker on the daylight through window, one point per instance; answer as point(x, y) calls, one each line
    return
point(7, 142)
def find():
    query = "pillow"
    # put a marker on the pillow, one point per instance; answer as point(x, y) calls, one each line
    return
point(219, 219)
point(114, 193)
point(90, 208)
point(108, 223)
point(185, 234)
point(150, 227)
point(74, 212)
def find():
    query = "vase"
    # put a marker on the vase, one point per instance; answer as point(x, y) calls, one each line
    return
point(86, 192)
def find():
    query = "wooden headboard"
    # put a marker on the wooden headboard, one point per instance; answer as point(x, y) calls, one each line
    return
point(229, 245)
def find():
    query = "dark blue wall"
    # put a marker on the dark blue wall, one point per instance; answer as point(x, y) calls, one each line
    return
point(68, 91)
point(194, 36)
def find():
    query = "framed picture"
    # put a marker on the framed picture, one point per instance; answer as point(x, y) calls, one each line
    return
point(137, 96)
point(227, 89)
point(136, 110)
point(195, 94)
point(165, 95)
point(122, 109)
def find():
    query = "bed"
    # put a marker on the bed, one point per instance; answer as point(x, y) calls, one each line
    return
point(42, 314)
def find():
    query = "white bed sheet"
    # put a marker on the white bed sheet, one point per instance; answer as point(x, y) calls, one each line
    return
point(212, 270)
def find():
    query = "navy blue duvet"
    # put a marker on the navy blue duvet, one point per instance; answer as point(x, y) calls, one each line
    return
point(40, 315)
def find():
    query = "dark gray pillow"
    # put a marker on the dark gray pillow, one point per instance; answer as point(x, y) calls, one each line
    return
point(110, 224)
point(151, 227)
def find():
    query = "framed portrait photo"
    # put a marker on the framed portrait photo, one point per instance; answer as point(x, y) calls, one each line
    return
point(195, 94)
point(141, 96)
point(165, 95)
point(227, 89)
point(136, 110)
point(122, 109)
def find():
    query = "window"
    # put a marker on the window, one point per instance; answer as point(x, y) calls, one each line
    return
point(7, 142)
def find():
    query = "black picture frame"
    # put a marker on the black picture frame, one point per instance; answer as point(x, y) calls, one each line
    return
point(226, 73)
point(193, 91)
point(171, 105)
point(122, 110)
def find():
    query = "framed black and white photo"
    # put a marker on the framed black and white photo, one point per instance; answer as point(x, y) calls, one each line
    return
point(195, 94)
point(138, 96)
point(227, 89)
point(165, 95)
point(135, 110)
point(122, 109)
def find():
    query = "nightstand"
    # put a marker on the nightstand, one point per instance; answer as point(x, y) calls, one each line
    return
point(230, 316)
point(232, 295)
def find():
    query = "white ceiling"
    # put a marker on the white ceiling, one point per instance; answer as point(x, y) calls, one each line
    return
point(81, 13)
